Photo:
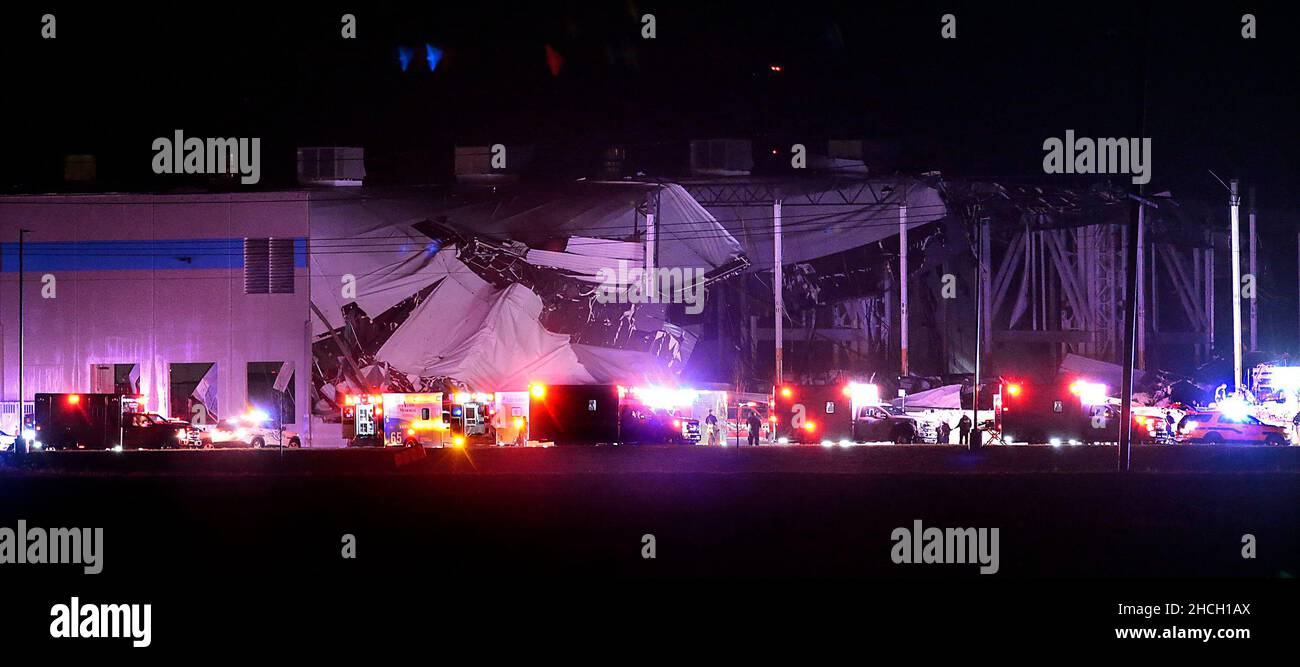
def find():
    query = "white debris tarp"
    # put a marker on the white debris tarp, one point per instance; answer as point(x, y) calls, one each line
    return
point(492, 339)
point(368, 238)
point(1093, 370)
point(945, 397)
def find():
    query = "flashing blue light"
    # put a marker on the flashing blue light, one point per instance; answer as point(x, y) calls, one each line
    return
point(404, 56)
point(432, 247)
point(432, 54)
point(456, 411)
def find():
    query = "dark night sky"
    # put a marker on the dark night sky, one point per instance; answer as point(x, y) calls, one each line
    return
point(977, 106)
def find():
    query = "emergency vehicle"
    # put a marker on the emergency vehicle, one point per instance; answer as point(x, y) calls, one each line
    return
point(812, 413)
point(1230, 427)
point(1072, 410)
point(843, 413)
point(469, 419)
point(363, 420)
point(435, 419)
point(101, 421)
point(613, 414)
point(250, 429)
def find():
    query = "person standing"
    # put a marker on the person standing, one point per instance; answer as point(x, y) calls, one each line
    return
point(963, 430)
point(711, 425)
point(755, 425)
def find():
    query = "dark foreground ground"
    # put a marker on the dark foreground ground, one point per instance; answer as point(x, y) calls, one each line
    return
point(251, 523)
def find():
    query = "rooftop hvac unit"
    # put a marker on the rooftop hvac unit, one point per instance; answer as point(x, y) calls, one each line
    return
point(331, 165)
point(722, 157)
point(491, 163)
point(79, 168)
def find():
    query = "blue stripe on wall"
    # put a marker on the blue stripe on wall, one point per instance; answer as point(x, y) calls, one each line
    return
point(134, 255)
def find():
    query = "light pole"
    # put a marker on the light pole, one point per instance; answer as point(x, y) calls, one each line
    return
point(20, 442)
point(1234, 201)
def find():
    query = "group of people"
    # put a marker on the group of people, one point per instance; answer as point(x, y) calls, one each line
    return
point(964, 426)
point(713, 433)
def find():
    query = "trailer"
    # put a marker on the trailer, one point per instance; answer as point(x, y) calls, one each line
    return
point(574, 414)
point(810, 414)
point(613, 414)
point(1070, 410)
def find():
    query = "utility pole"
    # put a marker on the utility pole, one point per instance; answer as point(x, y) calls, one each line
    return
point(1131, 250)
point(651, 244)
point(1254, 277)
point(973, 443)
point(902, 281)
point(1130, 336)
point(20, 443)
point(1234, 201)
point(777, 297)
point(1141, 292)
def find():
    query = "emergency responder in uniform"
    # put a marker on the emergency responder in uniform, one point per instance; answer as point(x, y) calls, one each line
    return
point(711, 425)
point(755, 424)
point(945, 433)
point(963, 430)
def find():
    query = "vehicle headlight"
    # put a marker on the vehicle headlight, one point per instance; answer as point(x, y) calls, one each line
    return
point(29, 435)
point(182, 434)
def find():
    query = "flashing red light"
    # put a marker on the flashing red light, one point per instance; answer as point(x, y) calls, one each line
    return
point(379, 410)
point(1013, 389)
point(787, 392)
point(677, 423)
point(809, 426)
point(74, 399)
point(538, 391)
point(775, 68)
point(772, 419)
